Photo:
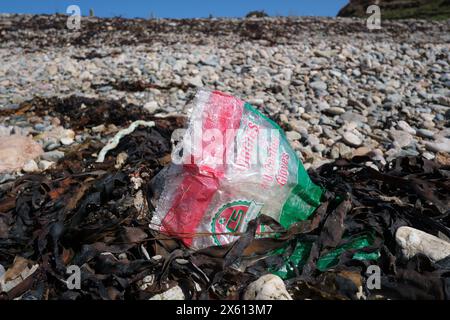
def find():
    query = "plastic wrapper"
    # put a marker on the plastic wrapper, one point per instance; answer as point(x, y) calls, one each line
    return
point(233, 165)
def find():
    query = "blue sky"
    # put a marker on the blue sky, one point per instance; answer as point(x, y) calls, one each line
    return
point(177, 8)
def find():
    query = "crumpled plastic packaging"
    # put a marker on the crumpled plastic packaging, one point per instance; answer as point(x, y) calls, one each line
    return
point(234, 164)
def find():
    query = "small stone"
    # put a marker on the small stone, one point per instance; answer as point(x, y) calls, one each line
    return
point(293, 135)
point(356, 73)
point(392, 153)
point(330, 134)
point(400, 138)
point(52, 155)
point(67, 141)
point(55, 122)
point(335, 111)
point(319, 147)
point(44, 165)
point(324, 120)
point(441, 145)
point(284, 118)
point(211, 60)
point(68, 133)
point(195, 81)
point(428, 125)
point(306, 116)
point(318, 85)
point(39, 127)
point(425, 133)
point(408, 153)
point(413, 242)
point(30, 166)
point(99, 128)
point(406, 127)
point(256, 102)
point(334, 153)
point(428, 155)
point(361, 151)
point(151, 107)
point(313, 140)
point(52, 146)
point(377, 155)
point(6, 177)
point(394, 98)
point(267, 287)
point(86, 76)
point(179, 65)
point(351, 139)
point(427, 116)
point(336, 73)
point(174, 293)
point(79, 138)
point(322, 105)
point(349, 116)
point(52, 70)
point(344, 150)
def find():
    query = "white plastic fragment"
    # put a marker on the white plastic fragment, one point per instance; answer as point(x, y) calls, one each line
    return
point(140, 203)
point(413, 241)
point(8, 284)
point(145, 252)
point(267, 287)
point(174, 293)
point(120, 160)
point(360, 294)
point(147, 282)
point(119, 135)
point(137, 182)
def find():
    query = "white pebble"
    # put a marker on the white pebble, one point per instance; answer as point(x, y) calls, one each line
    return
point(413, 242)
point(267, 287)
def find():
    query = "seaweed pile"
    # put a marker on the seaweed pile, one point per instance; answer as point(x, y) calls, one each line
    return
point(96, 215)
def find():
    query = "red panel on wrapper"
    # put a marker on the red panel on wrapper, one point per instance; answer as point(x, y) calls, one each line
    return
point(195, 192)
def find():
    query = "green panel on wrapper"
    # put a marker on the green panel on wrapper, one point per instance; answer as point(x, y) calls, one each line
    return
point(305, 197)
point(296, 260)
point(302, 250)
point(303, 200)
point(330, 259)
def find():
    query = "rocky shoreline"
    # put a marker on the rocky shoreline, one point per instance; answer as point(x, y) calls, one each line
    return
point(337, 88)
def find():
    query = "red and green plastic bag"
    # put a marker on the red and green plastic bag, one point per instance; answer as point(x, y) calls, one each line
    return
point(234, 164)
